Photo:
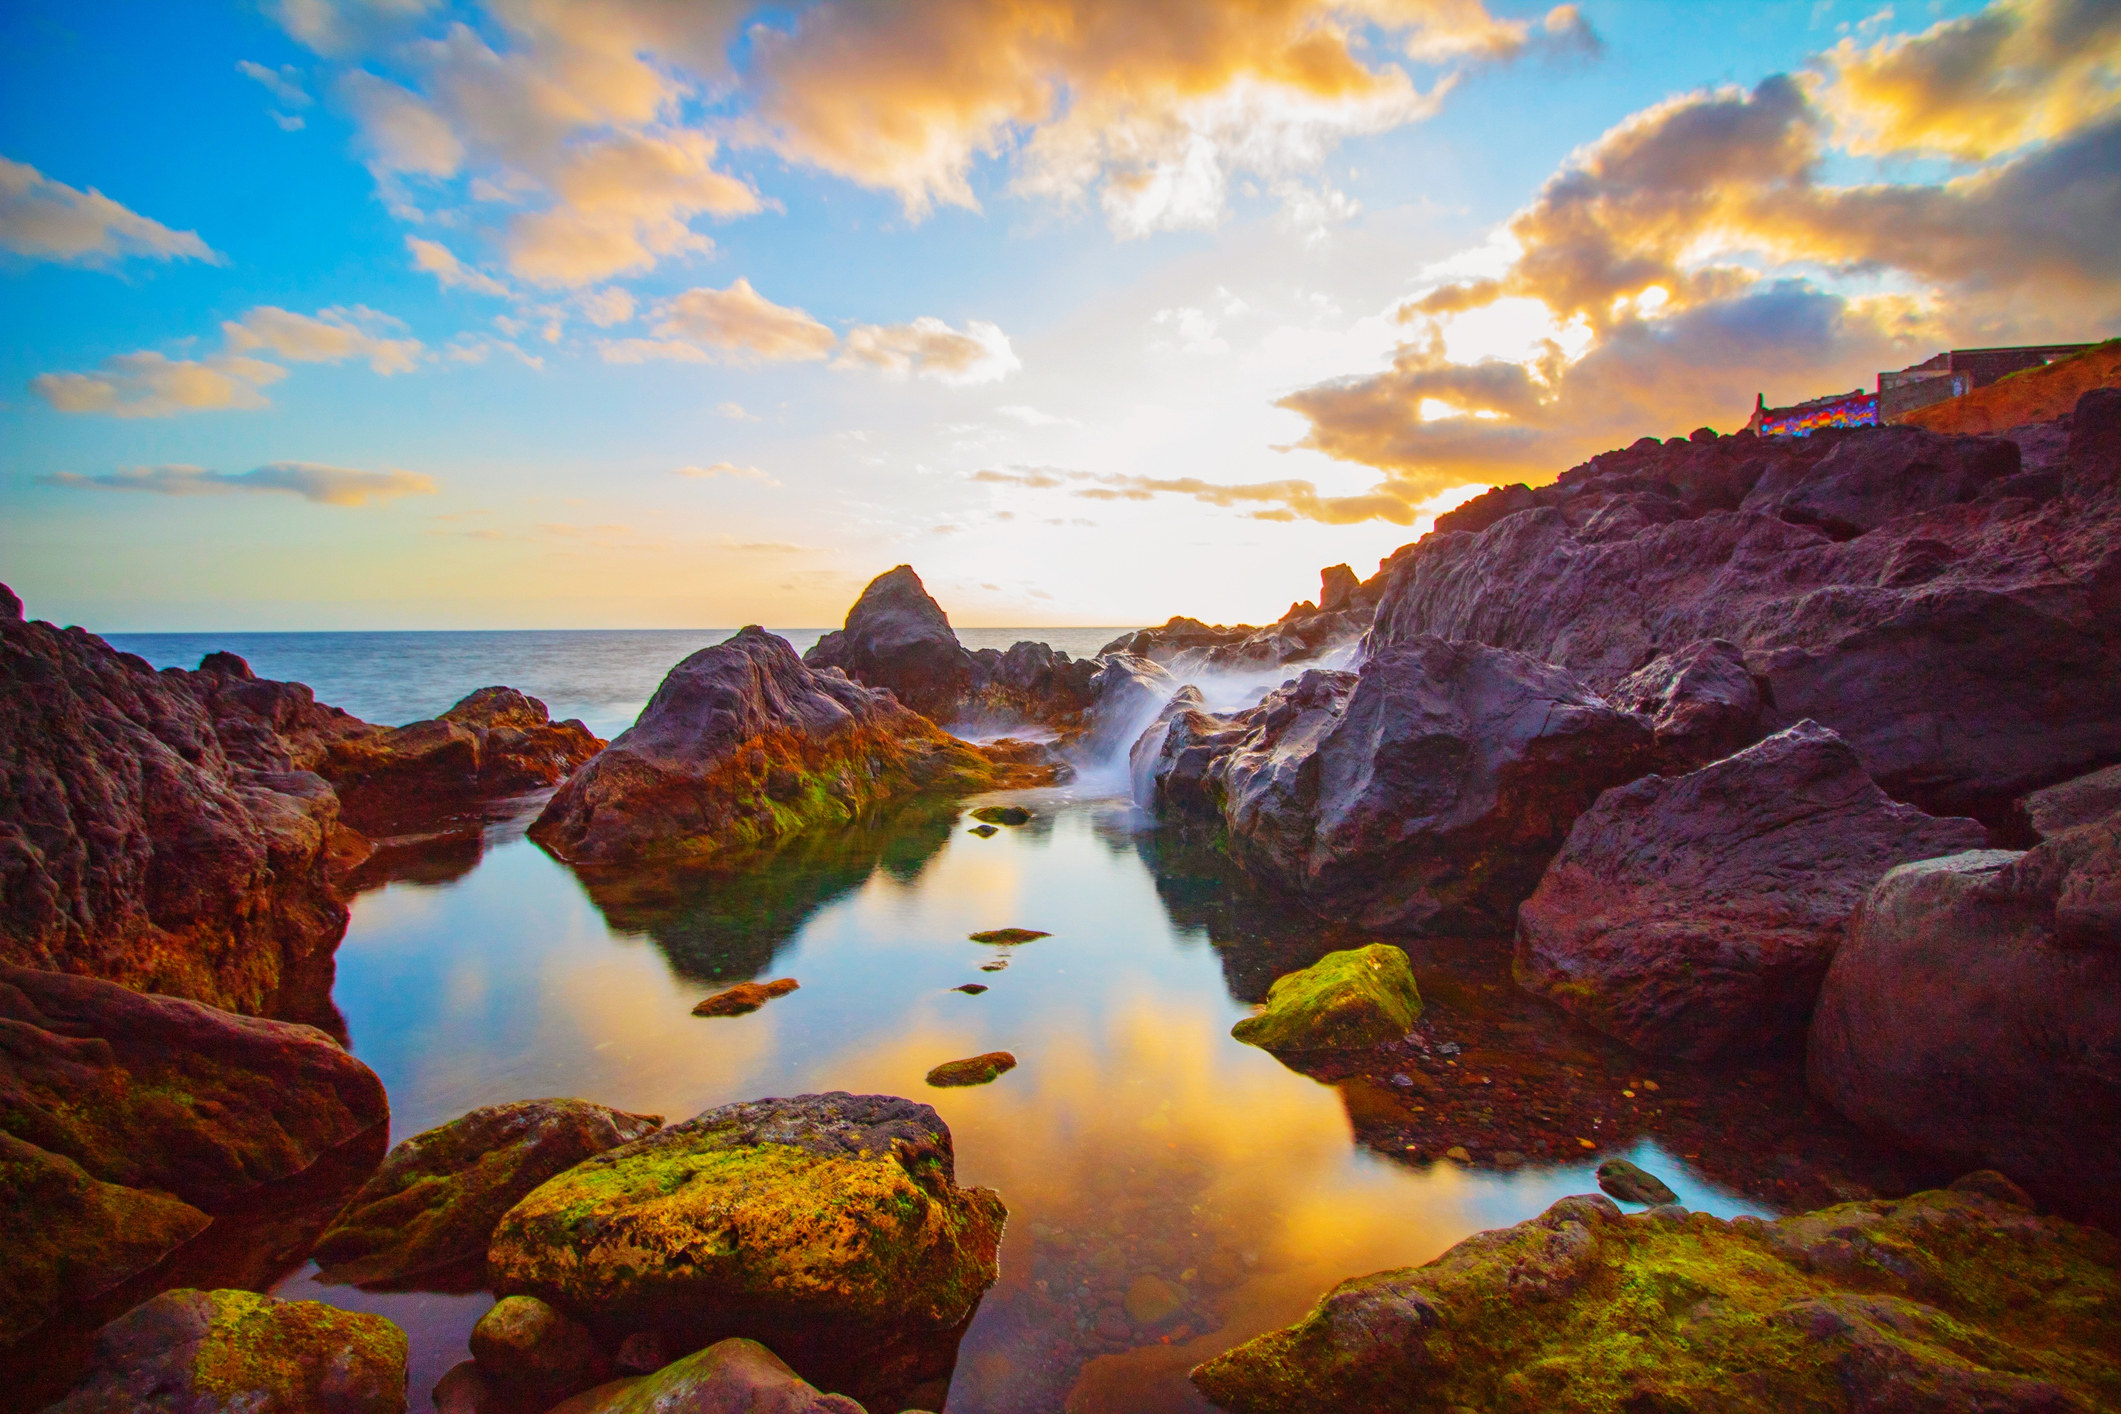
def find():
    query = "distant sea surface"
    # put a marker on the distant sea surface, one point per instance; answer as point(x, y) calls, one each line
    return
point(603, 676)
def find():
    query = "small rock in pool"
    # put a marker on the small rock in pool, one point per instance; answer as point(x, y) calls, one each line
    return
point(1009, 937)
point(998, 965)
point(971, 988)
point(1151, 1301)
point(1623, 1180)
point(975, 1070)
point(1507, 1159)
point(1002, 815)
point(985, 831)
point(1458, 1154)
point(745, 997)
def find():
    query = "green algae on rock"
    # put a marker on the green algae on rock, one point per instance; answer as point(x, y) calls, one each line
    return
point(1002, 815)
point(1633, 1184)
point(745, 997)
point(830, 1226)
point(1009, 937)
point(524, 1348)
point(734, 1374)
point(1949, 1300)
point(973, 1070)
point(430, 1210)
point(188, 1350)
point(1345, 1001)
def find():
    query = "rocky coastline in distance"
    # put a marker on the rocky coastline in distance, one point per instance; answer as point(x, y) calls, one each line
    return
point(1737, 746)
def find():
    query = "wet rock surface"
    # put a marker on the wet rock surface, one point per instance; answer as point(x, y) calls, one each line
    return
point(1975, 1013)
point(741, 1376)
point(745, 997)
point(1630, 1183)
point(1184, 645)
point(1348, 1000)
point(1424, 793)
point(829, 1226)
point(427, 1214)
point(2083, 800)
point(1702, 703)
point(1950, 1299)
point(188, 1350)
point(1694, 917)
point(973, 1070)
point(743, 744)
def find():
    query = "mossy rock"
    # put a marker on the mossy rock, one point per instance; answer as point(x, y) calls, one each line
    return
point(1949, 1300)
point(429, 1211)
point(730, 1374)
point(1345, 1001)
point(829, 1226)
point(1002, 815)
point(745, 997)
point(1009, 937)
point(974, 1070)
point(187, 1351)
point(72, 1237)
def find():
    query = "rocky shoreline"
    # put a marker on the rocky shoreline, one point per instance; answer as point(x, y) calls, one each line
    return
point(1780, 757)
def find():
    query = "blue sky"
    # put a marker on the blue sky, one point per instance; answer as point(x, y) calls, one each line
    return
point(1091, 324)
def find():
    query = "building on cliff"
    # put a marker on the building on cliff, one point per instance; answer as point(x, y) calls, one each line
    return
point(1856, 408)
point(1957, 372)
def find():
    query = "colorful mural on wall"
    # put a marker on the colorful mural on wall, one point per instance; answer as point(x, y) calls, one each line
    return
point(1857, 409)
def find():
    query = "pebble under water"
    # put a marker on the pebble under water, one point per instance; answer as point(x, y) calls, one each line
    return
point(1171, 1191)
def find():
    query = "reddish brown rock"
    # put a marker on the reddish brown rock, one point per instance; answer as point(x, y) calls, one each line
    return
point(1975, 1013)
point(134, 845)
point(2078, 801)
point(744, 744)
point(1694, 917)
point(745, 997)
point(1701, 702)
point(1424, 793)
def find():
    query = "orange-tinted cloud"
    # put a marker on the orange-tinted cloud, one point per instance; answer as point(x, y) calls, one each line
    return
point(741, 323)
point(312, 481)
point(331, 336)
point(929, 348)
point(47, 220)
point(149, 384)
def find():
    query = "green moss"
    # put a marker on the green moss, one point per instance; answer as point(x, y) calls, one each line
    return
point(1009, 937)
point(1346, 1000)
point(1582, 1310)
point(976, 1070)
point(278, 1354)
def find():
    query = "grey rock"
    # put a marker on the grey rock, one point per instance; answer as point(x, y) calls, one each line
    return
point(1631, 1183)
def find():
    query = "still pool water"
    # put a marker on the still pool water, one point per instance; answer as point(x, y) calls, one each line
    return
point(1135, 1139)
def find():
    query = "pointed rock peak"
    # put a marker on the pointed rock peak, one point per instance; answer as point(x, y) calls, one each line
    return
point(10, 603)
point(1336, 586)
point(899, 593)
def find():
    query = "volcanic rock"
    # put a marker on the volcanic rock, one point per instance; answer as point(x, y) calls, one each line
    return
point(974, 1070)
point(1346, 1000)
point(1694, 917)
point(743, 744)
point(830, 1226)
point(2081, 801)
point(1702, 704)
point(745, 997)
point(134, 848)
point(1002, 815)
point(897, 637)
point(1631, 1183)
point(1975, 1013)
point(1008, 937)
point(1307, 631)
point(1968, 651)
point(532, 1354)
point(1126, 695)
point(1895, 471)
point(737, 1375)
point(2095, 439)
point(189, 1351)
point(1948, 1300)
point(431, 1209)
point(1423, 794)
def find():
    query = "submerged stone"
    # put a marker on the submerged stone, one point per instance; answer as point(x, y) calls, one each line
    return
point(974, 1070)
point(1152, 1301)
point(1002, 815)
point(186, 1352)
point(1631, 1184)
point(829, 1225)
point(745, 997)
point(972, 989)
point(1948, 1300)
point(1345, 1001)
point(1009, 937)
point(433, 1205)
point(985, 831)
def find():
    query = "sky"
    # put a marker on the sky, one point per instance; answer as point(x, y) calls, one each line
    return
point(329, 314)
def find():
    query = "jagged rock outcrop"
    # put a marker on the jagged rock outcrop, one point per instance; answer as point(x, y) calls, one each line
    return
point(2078, 801)
point(135, 846)
point(1916, 640)
point(1694, 917)
point(431, 1208)
point(1975, 1013)
point(742, 744)
point(1343, 611)
point(130, 1118)
point(1953, 1299)
point(898, 637)
point(1127, 694)
point(829, 1226)
point(190, 1351)
point(1702, 703)
point(1424, 793)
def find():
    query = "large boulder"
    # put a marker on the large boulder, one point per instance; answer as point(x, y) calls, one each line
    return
point(743, 744)
point(829, 1226)
point(1345, 1001)
point(431, 1209)
point(737, 1375)
point(1694, 917)
point(1975, 1013)
point(1126, 695)
point(134, 847)
point(1969, 650)
point(190, 1352)
point(1950, 1300)
point(1896, 471)
point(1701, 701)
point(2080, 800)
point(1307, 632)
point(897, 637)
point(1424, 793)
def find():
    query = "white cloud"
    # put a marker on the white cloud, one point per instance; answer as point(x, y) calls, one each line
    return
point(312, 481)
point(929, 348)
point(283, 83)
point(48, 220)
point(734, 412)
point(332, 336)
point(742, 323)
point(650, 351)
point(441, 262)
point(152, 385)
point(605, 307)
point(742, 473)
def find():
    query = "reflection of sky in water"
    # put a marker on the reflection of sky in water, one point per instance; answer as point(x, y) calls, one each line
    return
point(1134, 1136)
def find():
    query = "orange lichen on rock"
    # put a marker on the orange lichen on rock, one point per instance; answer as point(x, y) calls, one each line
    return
point(745, 997)
point(2036, 395)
